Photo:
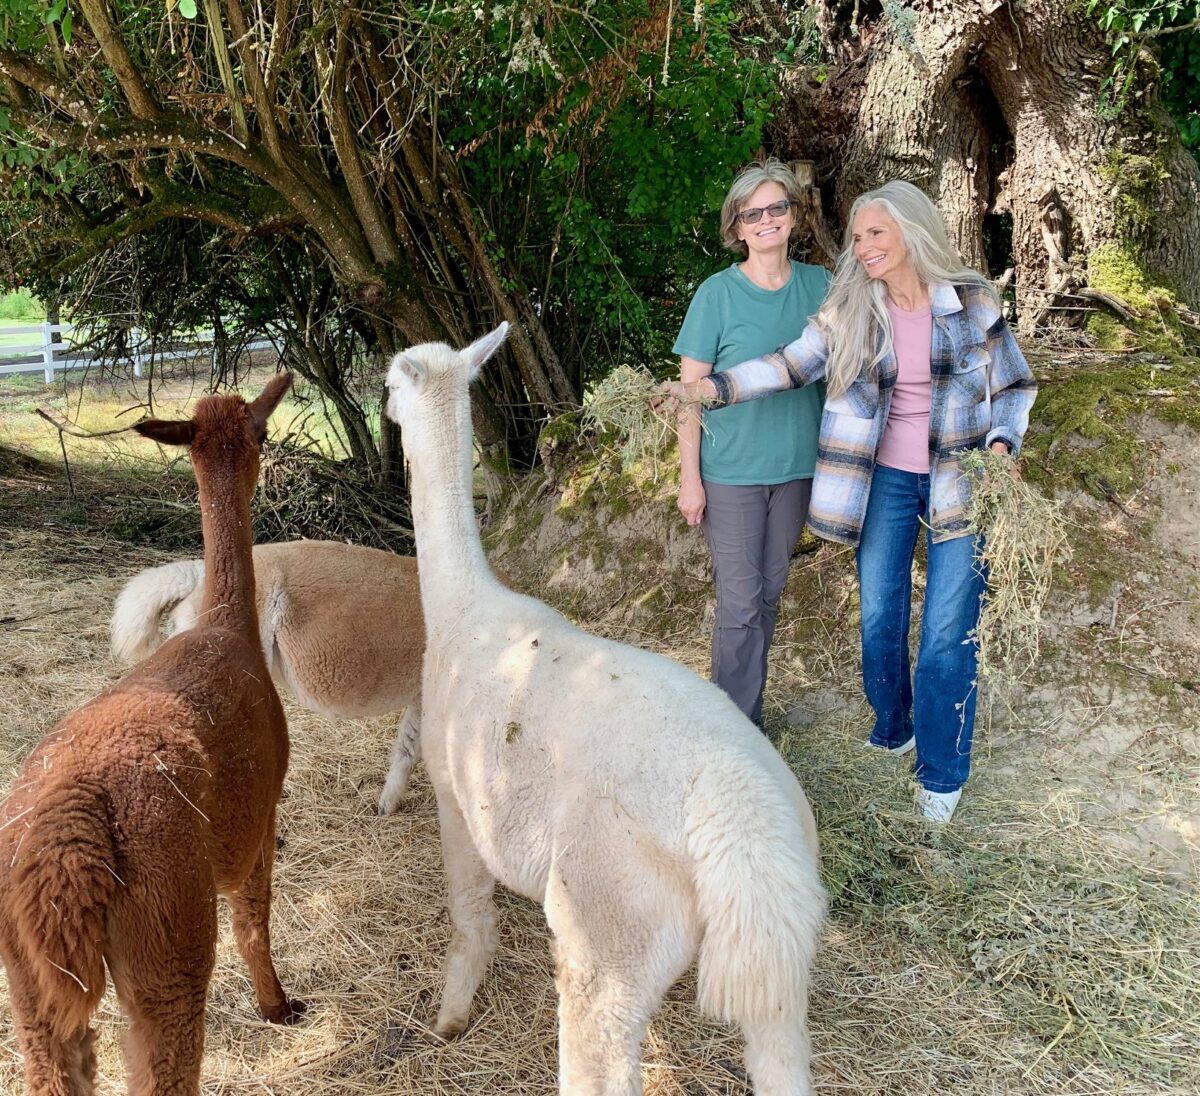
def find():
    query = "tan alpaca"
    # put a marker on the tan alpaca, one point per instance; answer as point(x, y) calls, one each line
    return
point(139, 808)
point(340, 625)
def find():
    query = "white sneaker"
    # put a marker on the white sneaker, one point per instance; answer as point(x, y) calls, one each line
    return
point(938, 806)
point(903, 748)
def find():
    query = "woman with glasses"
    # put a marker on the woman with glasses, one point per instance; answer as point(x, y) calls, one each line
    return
point(745, 474)
point(920, 368)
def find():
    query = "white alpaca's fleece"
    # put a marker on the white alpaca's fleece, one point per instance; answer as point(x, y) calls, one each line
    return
point(653, 821)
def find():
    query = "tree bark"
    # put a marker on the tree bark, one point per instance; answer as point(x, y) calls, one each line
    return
point(994, 109)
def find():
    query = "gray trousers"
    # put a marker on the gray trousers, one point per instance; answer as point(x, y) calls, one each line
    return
point(751, 531)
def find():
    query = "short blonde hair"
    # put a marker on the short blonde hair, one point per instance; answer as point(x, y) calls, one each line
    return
point(745, 183)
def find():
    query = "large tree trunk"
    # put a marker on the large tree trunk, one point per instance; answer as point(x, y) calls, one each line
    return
point(994, 109)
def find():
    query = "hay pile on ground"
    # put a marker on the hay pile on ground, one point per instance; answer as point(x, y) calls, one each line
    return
point(952, 962)
point(302, 493)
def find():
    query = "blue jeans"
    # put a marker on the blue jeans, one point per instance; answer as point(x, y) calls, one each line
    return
point(940, 710)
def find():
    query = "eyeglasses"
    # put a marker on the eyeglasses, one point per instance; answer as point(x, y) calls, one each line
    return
point(775, 209)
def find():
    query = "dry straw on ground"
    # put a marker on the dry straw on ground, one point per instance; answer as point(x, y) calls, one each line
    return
point(950, 964)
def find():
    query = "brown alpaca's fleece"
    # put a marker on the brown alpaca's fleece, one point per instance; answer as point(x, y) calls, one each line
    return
point(140, 807)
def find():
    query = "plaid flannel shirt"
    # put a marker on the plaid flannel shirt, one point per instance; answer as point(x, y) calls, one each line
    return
point(982, 391)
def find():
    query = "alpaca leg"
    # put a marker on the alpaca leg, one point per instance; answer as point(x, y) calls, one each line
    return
point(777, 1056)
point(473, 942)
point(404, 753)
point(623, 934)
point(161, 959)
point(251, 905)
point(54, 1065)
point(165, 1044)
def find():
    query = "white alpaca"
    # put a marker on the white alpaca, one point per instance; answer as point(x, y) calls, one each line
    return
point(340, 625)
point(630, 797)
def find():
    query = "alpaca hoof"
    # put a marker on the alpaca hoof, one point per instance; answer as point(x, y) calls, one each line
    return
point(289, 1013)
point(390, 799)
point(445, 1030)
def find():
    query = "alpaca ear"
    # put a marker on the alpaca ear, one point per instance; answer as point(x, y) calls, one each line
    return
point(481, 349)
point(167, 431)
point(406, 367)
point(268, 400)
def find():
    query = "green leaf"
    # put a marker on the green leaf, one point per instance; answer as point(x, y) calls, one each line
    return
point(187, 8)
point(66, 28)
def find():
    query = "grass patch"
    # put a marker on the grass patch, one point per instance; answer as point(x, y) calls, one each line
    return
point(95, 404)
point(19, 306)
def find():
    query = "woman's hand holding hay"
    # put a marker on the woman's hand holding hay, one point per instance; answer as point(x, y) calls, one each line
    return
point(1001, 449)
point(677, 397)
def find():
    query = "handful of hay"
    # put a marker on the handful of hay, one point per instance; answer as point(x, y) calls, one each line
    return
point(621, 405)
point(1024, 535)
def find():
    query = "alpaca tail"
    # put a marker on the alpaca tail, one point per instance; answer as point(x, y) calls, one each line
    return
point(144, 599)
point(60, 886)
point(759, 898)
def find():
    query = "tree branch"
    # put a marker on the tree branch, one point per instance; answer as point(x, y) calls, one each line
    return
point(216, 37)
point(172, 201)
point(281, 32)
point(263, 103)
point(112, 45)
point(1160, 31)
point(22, 74)
point(342, 131)
point(317, 204)
point(163, 132)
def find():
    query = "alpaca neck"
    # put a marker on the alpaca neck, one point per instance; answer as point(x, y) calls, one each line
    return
point(228, 552)
point(450, 556)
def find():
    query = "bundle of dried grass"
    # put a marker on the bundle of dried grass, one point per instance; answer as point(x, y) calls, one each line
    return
point(621, 412)
point(1025, 538)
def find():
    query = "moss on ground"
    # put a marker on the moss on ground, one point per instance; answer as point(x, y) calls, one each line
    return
point(1098, 403)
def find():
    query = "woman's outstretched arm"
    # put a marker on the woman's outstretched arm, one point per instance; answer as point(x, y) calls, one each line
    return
point(793, 366)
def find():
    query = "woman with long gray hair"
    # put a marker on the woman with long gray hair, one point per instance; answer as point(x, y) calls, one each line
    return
point(745, 474)
point(921, 368)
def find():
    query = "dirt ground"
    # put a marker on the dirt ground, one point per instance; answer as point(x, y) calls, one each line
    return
point(933, 973)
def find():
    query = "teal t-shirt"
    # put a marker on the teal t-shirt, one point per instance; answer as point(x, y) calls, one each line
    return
point(730, 320)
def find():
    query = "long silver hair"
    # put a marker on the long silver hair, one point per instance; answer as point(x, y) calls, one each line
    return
point(745, 183)
point(854, 316)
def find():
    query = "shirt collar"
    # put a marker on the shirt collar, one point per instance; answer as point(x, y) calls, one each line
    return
point(943, 299)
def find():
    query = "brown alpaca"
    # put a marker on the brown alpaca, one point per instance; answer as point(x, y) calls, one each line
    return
point(139, 808)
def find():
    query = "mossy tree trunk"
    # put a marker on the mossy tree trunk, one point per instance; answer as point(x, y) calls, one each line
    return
point(996, 111)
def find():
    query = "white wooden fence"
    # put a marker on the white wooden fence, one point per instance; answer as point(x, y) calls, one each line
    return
point(49, 355)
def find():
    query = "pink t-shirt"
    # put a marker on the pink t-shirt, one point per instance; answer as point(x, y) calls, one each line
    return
point(905, 441)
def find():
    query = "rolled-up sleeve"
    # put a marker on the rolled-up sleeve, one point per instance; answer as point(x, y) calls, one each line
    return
point(1012, 386)
point(793, 366)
